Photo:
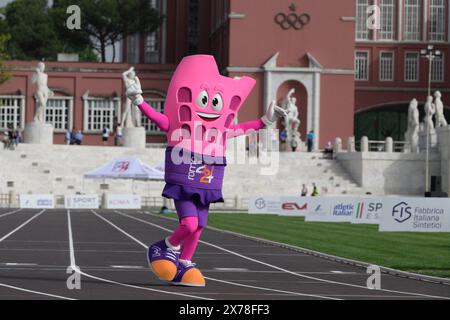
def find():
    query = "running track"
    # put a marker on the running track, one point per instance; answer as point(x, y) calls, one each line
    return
point(41, 249)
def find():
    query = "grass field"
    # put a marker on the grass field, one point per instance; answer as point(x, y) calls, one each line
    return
point(426, 253)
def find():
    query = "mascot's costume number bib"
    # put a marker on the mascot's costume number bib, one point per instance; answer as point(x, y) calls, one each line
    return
point(199, 114)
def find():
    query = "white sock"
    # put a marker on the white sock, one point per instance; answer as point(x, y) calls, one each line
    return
point(171, 246)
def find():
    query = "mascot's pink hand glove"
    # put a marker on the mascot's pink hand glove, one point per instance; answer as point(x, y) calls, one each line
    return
point(273, 113)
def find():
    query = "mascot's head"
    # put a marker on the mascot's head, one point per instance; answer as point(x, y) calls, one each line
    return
point(201, 104)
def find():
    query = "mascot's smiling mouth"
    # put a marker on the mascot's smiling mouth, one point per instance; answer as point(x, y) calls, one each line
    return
point(208, 116)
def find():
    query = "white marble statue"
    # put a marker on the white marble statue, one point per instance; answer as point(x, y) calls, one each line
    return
point(292, 121)
point(430, 110)
point(412, 134)
point(42, 93)
point(131, 117)
point(440, 118)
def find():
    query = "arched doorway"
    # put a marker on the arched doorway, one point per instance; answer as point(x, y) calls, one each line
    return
point(380, 122)
point(301, 96)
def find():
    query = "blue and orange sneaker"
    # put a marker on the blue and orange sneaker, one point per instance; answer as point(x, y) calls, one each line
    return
point(188, 276)
point(163, 259)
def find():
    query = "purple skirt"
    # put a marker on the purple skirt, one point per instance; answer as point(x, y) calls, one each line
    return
point(197, 178)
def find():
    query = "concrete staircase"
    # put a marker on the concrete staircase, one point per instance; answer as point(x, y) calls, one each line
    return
point(59, 170)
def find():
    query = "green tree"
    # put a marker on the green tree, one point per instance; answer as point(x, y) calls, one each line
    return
point(105, 22)
point(32, 31)
point(5, 75)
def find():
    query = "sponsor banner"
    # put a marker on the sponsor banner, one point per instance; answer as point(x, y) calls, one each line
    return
point(331, 209)
point(294, 206)
point(264, 204)
point(37, 201)
point(123, 201)
point(368, 210)
point(416, 214)
point(84, 201)
point(284, 206)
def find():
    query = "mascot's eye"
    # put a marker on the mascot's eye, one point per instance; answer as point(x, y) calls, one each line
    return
point(202, 99)
point(217, 103)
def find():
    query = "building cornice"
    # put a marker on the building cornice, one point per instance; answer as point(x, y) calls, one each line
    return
point(398, 89)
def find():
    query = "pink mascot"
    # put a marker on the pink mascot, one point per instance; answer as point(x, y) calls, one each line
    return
point(199, 115)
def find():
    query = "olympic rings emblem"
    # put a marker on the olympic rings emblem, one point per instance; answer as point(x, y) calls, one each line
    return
point(292, 20)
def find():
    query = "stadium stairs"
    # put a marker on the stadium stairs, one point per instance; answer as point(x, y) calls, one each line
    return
point(59, 170)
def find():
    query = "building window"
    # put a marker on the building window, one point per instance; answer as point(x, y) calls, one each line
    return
point(437, 20)
point(362, 65)
point(133, 48)
point(153, 40)
point(58, 112)
point(386, 66)
point(412, 20)
point(437, 69)
point(100, 113)
point(152, 47)
point(387, 14)
point(11, 112)
point(193, 27)
point(362, 32)
point(150, 127)
point(411, 66)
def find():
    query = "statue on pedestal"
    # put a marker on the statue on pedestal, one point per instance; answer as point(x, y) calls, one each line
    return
point(412, 134)
point(291, 121)
point(439, 106)
point(42, 93)
point(132, 116)
point(430, 110)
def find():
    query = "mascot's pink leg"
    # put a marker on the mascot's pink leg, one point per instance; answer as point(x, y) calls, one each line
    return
point(187, 227)
point(190, 244)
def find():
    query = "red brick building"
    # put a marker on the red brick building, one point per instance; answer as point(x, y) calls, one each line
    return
point(390, 71)
point(313, 46)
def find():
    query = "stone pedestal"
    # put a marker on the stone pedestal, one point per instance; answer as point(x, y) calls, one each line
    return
point(134, 138)
point(38, 133)
point(423, 140)
point(444, 150)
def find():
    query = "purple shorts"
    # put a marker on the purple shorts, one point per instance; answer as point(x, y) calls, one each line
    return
point(193, 208)
point(198, 178)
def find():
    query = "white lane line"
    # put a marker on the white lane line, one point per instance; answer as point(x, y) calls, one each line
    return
point(22, 225)
point(8, 213)
point(284, 270)
point(77, 269)
point(23, 289)
point(127, 267)
point(35, 292)
point(217, 280)
point(17, 264)
point(232, 269)
point(72, 251)
point(342, 272)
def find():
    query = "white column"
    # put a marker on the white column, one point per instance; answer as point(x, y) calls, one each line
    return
point(85, 112)
point(164, 32)
point(22, 112)
point(448, 22)
point(425, 21)
point(400, 20)
point(70, 115)
point(316, 110)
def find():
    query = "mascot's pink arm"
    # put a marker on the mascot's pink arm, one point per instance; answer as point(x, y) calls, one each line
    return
point(239, 129)
point(162, 122)
point(158, 118)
